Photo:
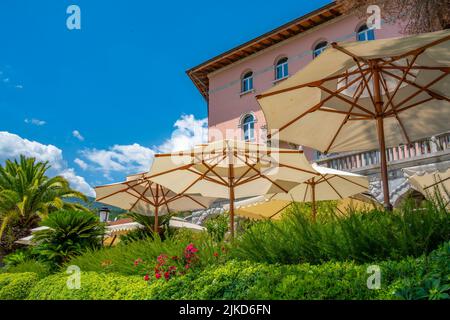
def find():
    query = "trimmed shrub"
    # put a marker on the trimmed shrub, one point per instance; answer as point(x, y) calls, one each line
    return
point(93, 286)
point(245, 280)
point(16, 286)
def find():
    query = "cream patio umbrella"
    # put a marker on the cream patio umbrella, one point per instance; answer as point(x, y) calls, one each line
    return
point(329, 184)
point(141, 195)
point(231, 169)
point(365, 95)
point(431, 184)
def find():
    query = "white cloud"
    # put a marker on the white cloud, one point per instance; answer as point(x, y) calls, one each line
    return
point(77, 135)
point(188, 133)
point(77, 182)
point(134, 158)
point(120, 158)
point(6, 80)
point(12, 146)
point(19, 86)
point(83, 165)
point(36, 122)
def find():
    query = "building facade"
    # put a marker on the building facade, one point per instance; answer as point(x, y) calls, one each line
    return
point(231, 81)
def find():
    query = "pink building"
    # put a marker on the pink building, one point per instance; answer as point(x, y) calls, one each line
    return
point(231, 81)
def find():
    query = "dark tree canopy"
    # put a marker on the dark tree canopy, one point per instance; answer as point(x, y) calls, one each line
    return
point(418, 16)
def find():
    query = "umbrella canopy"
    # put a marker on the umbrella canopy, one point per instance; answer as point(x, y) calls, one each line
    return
point(260, 208)
point(141, 195)
point(432, 184)
point(330, 184)
point(231, 169)
point(365, 95)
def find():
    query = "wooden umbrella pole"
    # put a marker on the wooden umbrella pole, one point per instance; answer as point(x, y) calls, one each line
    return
point(156, 209)
point(231, 186)
point(313, 200)
point(381, 138)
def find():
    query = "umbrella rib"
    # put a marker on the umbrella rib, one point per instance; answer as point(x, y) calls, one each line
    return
point(242, 176)
point(217, 175)
point(206, 178)
point(345, 51)
point(437, 183)
point(149, 184)
point(170, 170)
point(395, 67)
point(196, 201)
point(425, 88)
point(295, 168)
point(309, 84)
point(366, 83)
point(202, 177)
point(348, 180)
point(279, 211)
point(393, 108)
point(119, 191)
point(332, 187)
point(315, 107)
point(265, 177)
point(144, 199)
point(405, 74)
point(337, 95)
point(306, 191)
point(347, 117)
point(425, 47)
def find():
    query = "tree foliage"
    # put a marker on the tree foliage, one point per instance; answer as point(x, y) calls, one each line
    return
point(417, 16)
point(26, 195)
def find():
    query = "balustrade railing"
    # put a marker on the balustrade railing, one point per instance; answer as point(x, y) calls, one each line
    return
point(352, 161)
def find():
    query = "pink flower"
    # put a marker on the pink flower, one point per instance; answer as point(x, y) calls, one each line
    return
point(146, 277)
point(187, 266)
point(191, 248)
point(216, 254)
point(157, 275)
point(166, 275)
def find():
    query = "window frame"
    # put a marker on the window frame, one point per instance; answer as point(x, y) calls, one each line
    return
point(283, 66)
point(247, 80)
point(318, 50)
point(248, 126)
point(365, 30)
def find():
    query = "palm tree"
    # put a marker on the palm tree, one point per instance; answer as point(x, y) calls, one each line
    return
point(27, 194)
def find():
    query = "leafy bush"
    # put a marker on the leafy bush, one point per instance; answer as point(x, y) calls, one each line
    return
point(69, 234)
point(247, 280)
point(360, 236)
point(40, 268)
point(17, 257)
point(93, 286)
point(16, 286)
point(432, 279)
point(121, 258)
point(218, 226)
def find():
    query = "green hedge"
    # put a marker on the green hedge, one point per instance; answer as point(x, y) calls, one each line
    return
point(17, 286)
point(246, 280)
point(93, 286)
point(427, 277)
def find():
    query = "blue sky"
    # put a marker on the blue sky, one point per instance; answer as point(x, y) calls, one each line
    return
point(97, 103)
